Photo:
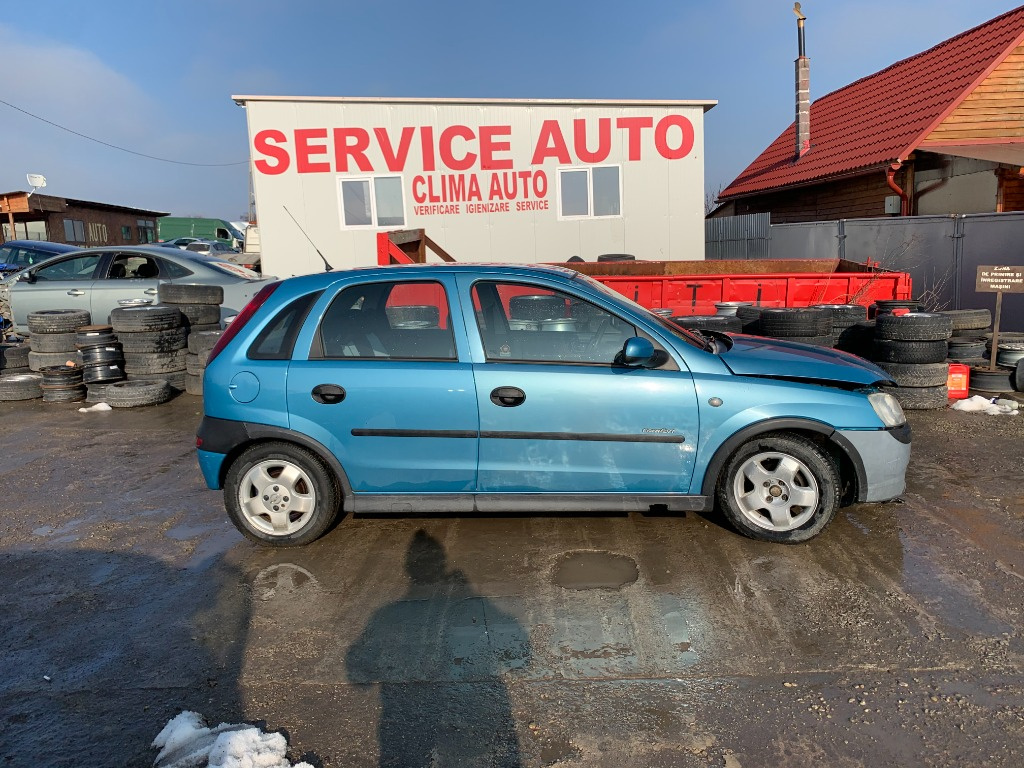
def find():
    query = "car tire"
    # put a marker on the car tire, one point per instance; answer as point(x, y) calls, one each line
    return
point(167, 340)
point(983, 379)
point(920, 398)
point(53, 342)
point(37, 360)
point(202, 341)
point(57, 320)
point(917, 374)
point(24, 386)
point(148, 318)
point(307, 499)
point(968, 319)
point(14, 356)
point(965, 347)
point(750, 317)
point(723, 323)
point(914, 326)
point(894, 351)
point(154, 362)
point(816, 341)
point(134, 393)
point(781, 322)
point(774, 466)
point(199, 314)
point(186, 293)
point(174, 379)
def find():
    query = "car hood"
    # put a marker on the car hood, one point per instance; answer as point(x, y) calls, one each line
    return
point(777, 358)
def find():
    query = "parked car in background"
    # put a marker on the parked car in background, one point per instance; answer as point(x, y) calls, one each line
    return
point(101, 279)
point(15, 255)
point(481, 389)
point(211, 248)
point(178, 242)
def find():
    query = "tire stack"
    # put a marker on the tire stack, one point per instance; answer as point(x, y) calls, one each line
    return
point(154, 340)
point(967, 344)
point(62, 383)
point(844, 316)
point(807, 325)
point(912, 348)
point(858, 339)
point(52, 335)
point(1008, 373)
point(14, 359)
point(199, 346)
point(102, 359)
point(886, 306)
point(724, 323)
point(750, 319)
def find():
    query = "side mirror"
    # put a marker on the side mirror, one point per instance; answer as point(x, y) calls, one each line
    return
point(637, 351)
point(27, 277)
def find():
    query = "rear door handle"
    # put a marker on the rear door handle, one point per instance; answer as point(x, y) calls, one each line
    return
point(76, 292)
point(508, 397)
point(328, 394)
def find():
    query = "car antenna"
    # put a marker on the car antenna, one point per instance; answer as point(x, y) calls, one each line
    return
point(327, 266)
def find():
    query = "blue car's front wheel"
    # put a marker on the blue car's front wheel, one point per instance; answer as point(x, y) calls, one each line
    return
point(780, 487)
point(280, 495)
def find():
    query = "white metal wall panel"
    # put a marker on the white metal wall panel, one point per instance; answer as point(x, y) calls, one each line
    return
point(662, 200)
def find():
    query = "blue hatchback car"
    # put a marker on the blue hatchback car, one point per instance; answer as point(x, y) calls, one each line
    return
point(477, 389)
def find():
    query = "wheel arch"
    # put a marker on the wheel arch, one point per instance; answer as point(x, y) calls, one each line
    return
point(851, 467)
point(245, 435)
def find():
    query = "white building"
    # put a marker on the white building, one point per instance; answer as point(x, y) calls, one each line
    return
point(518, 181)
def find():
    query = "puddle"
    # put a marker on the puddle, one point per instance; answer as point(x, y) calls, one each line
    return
point(595, 570)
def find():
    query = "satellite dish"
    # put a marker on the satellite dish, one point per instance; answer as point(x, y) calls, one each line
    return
point(36, 180)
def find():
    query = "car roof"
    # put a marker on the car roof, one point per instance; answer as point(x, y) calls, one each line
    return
point(42, 245)
point(424, 271)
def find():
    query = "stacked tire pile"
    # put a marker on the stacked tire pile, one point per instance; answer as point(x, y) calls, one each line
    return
point(52, 336)
point(807, 325)
point(102, 359)
point(912, 349)
point(967, 344)
point(62, 383)
point(199, 346)
point(1009, 370)
point(17, 381)
point(153, 339)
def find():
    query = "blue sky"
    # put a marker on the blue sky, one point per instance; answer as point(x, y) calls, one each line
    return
point(157, 77)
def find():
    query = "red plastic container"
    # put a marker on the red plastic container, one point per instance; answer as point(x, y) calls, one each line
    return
point(958, 380)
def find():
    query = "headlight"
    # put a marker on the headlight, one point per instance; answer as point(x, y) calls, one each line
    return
point(887, 408)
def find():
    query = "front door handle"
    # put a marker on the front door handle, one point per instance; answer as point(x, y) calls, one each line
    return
point(508, 397)
point(328, 394)
point(76, 292)
point(134, 302)
point(150, 291)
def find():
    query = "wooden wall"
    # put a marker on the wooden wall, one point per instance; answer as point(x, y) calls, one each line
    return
point(993, 110)
point(857, 197)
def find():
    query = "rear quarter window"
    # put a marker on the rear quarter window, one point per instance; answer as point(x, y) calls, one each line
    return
point(277, 339)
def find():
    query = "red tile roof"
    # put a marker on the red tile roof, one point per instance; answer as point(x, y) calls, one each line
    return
point(883, 117)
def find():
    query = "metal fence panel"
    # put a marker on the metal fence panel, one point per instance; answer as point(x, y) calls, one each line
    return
point(922, 246)
point(809, 240)
point(738, 237)
point(992, 239)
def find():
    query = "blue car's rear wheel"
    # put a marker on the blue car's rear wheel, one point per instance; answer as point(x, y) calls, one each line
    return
point(780, 487)
point(280, 495)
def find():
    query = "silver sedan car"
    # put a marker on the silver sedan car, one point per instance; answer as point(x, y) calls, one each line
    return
point(102, 279)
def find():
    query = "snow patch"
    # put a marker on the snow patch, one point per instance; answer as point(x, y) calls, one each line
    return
point(992, 407)
point(186, 742)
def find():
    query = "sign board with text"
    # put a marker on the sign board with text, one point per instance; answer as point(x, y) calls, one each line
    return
point(1000, 280)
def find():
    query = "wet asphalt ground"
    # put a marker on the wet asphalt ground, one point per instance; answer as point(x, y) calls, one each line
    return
point(894, 639)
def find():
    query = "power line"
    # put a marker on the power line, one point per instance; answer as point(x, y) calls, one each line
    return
point(121, 149)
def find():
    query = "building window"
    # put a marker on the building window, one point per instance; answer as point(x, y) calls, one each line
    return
point(74, 231)
point(26, 230)
point(372, 202)
point(98, 233)
point(126, 234)
point(147, 230)
point(589, 193)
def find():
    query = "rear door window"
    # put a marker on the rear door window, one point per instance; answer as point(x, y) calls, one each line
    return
point(389, 321)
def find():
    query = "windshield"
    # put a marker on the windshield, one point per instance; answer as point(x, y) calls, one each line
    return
point(683, 334)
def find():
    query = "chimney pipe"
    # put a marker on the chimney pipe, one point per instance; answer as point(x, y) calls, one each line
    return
point(803, 90)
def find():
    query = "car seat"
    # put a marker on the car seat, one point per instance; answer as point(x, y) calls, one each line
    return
point(147, 270)
point(118, 270)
